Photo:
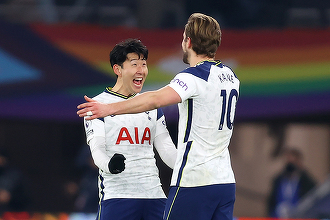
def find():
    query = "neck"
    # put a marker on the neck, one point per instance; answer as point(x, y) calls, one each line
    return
point(195, 59)
point(119, 88)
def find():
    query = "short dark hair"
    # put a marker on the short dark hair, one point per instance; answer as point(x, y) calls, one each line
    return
point(118, 55)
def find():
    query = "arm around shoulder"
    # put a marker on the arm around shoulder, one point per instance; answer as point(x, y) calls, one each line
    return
point(145, 102)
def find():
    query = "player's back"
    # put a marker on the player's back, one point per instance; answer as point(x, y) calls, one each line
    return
point(205, 126)
point(214, 107)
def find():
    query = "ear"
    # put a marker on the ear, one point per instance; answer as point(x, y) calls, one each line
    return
point(189, 42)
point(117, 69)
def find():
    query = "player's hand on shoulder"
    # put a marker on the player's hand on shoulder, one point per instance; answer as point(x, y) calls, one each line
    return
point(91, 108)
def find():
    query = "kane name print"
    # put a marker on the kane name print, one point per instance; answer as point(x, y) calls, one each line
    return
point(226, 77)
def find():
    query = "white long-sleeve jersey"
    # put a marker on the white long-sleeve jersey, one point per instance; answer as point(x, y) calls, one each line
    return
point(209, 92)
point(132, 135)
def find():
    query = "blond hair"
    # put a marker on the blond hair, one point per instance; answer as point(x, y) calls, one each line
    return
point(205, 34)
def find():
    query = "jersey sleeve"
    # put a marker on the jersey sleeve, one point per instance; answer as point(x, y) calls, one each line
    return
point(94, 128)
point(185, 85)
point(166, 149)
point(163, 141)
point(98, 150)
point(160, 123)
point(95, 135)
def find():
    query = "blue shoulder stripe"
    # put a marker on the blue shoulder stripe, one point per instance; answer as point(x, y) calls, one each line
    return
point(202, 70)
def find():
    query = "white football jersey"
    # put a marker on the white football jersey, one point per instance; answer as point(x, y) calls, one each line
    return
point(209, 92)
point(131, 135)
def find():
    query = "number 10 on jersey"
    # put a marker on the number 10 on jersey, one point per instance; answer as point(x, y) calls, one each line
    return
point(227, 106)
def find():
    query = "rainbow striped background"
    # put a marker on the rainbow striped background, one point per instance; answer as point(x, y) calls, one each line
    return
point(284, 73)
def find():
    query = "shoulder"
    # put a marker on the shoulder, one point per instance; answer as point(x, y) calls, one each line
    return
point(203, 69)
point(108, 96)
point(100, 97)
point(155, 113)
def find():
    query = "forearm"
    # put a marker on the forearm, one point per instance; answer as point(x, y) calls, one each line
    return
point(140, 103)
point(100, 158)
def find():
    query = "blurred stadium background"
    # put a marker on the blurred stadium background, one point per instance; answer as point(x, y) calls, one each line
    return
point(52, 52)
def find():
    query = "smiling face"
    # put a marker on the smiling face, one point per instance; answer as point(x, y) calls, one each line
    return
point(131, 75)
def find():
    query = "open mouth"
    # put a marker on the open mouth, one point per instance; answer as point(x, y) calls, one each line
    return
point(137, 81)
